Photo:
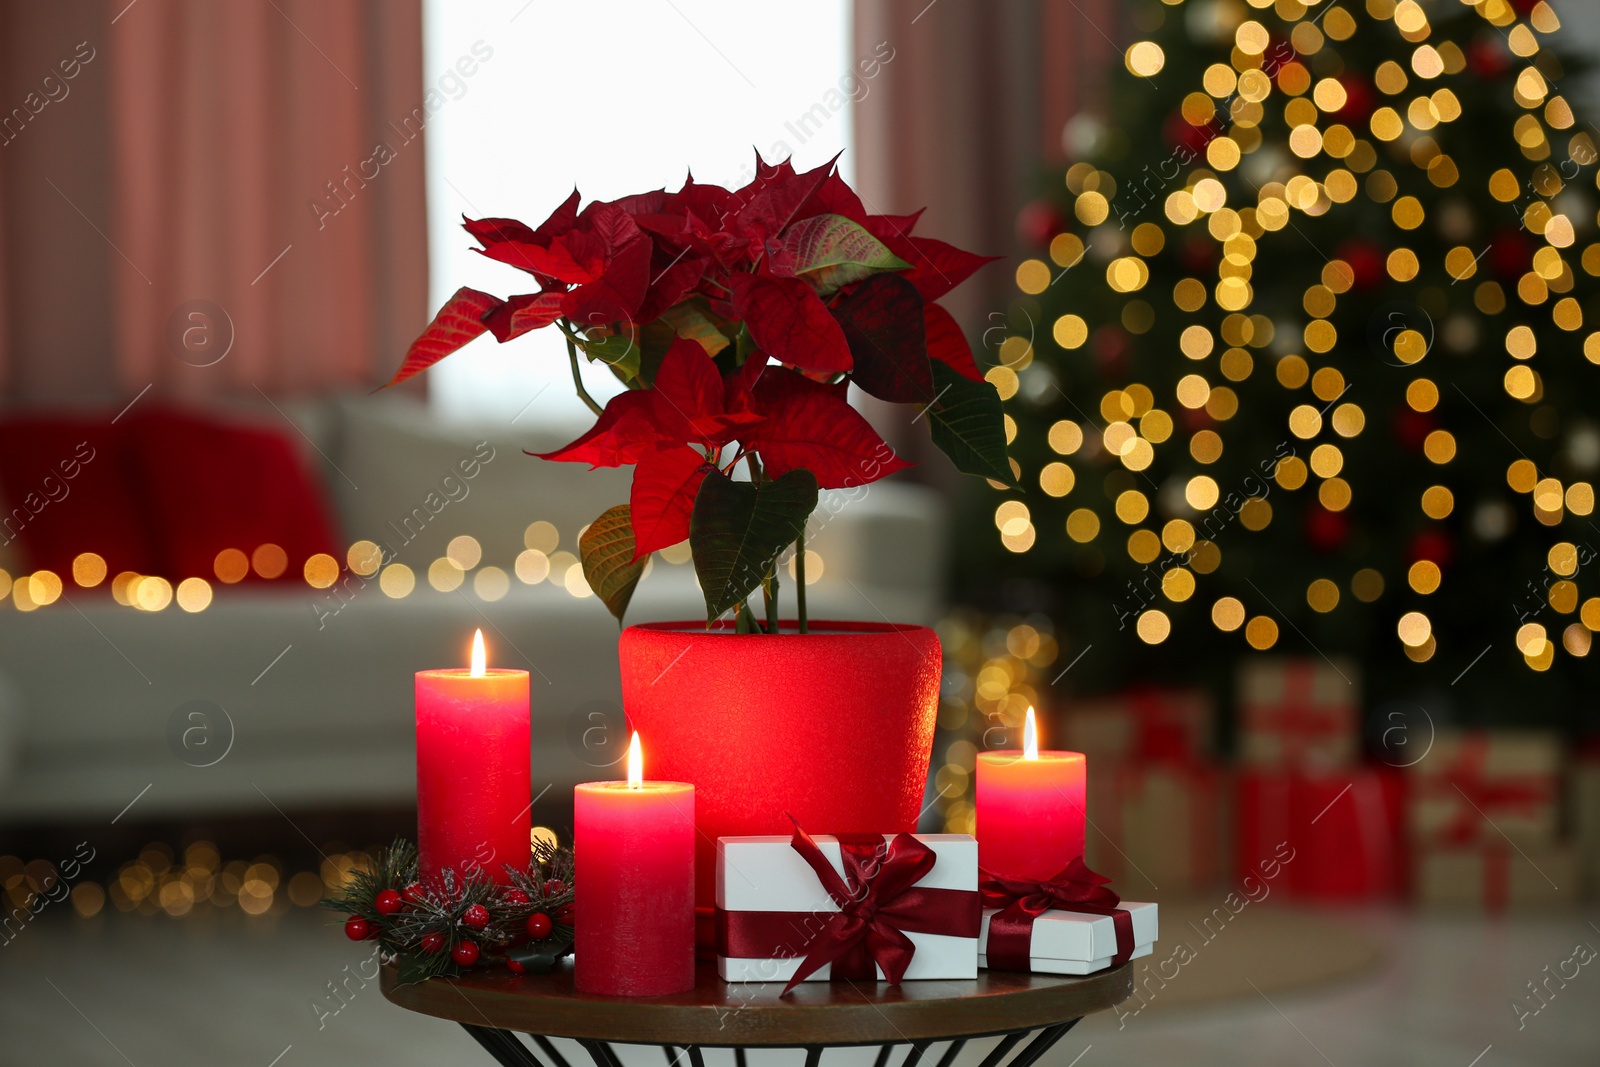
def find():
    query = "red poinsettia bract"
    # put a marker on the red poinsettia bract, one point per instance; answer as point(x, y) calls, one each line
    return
point(738, 319)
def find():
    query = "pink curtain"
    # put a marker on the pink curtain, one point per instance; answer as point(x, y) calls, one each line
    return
point(5, 288)
point(963, 117)
point(971, 106)
point(256, 221)
point(55, 336)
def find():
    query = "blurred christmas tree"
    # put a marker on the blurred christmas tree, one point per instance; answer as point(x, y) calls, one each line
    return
point(1314, 364)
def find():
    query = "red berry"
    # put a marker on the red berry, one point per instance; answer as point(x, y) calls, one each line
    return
point(539, 926)
point(413, 893)
point(476, 917)
point(432, 942)
point(564, 916)
point(389, 902)
point(515, 896)
point(466, 953)
point(515, 968)
point(554, 887)
point(358, 929)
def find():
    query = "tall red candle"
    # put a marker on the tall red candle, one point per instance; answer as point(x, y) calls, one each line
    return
point(474, 785)
point(633, 917)
point(1030, 809)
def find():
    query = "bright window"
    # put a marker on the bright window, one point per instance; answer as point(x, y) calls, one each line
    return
point(615, 98)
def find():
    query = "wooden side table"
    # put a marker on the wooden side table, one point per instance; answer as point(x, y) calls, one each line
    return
point(495, 1008)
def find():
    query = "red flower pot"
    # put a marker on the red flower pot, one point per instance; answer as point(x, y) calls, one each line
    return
point(834, 726)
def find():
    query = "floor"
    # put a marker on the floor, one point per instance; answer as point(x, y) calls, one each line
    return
point(1453, 992)
point(223, 988)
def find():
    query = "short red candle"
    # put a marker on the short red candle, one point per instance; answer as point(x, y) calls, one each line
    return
point(633, 915)
point(1030, 809)
point(474, 782)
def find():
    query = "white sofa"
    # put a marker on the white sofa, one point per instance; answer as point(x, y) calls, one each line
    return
point(96, 699)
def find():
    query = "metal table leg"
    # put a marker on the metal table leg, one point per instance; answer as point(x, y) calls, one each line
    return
point(509, 1049)
point(506, 1047)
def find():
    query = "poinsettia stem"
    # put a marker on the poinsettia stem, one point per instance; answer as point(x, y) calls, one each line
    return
point(769, 594)
point(769, 581)
point(800, 580)
point(577, 378)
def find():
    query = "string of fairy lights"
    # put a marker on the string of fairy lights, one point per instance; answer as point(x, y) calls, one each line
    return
point(194, 878)
point(541, 560)
point(1351, 162)
point(177, 882)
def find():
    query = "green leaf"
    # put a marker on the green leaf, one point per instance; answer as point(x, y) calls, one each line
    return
point(737, 529)
point(655, 338)
point(830, 251)
point(968, 425)
point(418, 967)
point(688, 320)
point(606, 548)
point(539, 957)
point(617, 351)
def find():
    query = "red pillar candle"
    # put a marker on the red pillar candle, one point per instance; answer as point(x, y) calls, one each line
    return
point(1030, 809)
point(473, 779)
point(633, 915)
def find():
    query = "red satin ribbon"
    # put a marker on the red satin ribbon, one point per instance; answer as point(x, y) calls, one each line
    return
point(879, 903)
point(1522, 793)
point(1296, 720)
point(1075, 888)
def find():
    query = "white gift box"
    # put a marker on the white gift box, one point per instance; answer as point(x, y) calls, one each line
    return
point(766, 874)
point(1075, 942)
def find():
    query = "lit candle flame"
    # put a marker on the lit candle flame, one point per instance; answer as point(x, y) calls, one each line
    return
point(1030, 737)
point(635, 763)
point(478, 659)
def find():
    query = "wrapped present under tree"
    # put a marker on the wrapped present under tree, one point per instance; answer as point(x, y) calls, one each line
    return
point(1346, 829)
point(1584, 794)
point(1299, 712)
point(1496, 875)
point(1155, 828)
point(1482, 784)
point(1142, 724)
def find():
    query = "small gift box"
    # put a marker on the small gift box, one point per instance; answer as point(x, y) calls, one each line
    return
point(1144, 724)
point(1494, 876)
point(1072, 923)
point(857, 906)
point(1073, 942)
point(1297, 712)
point(1479, 785)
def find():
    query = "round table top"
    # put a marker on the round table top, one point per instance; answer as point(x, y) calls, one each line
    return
point(722, 1013)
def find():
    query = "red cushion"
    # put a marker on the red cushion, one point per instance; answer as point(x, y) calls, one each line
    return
point(65, 489)
point(210, 485)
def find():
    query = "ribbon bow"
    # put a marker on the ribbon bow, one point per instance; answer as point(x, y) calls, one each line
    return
point(879, 902)
point(1483, 791)
point(1074, 888)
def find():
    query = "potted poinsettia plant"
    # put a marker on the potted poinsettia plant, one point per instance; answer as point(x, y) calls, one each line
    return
point(738, 319)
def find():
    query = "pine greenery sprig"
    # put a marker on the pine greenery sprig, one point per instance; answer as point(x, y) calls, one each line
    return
point(436, 914)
